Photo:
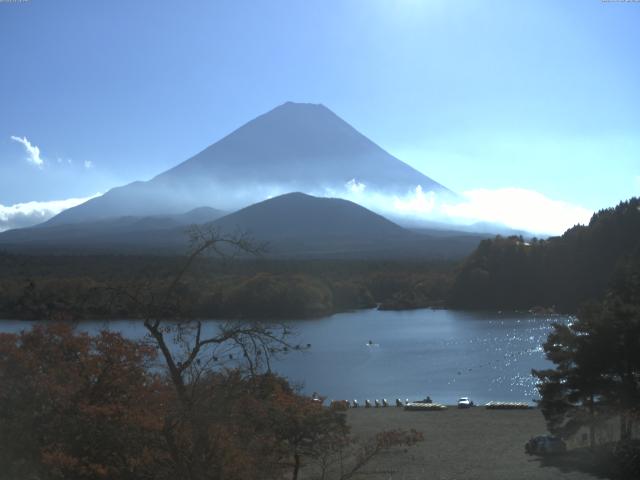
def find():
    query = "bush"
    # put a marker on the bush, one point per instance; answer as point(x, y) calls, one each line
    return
point(627, 458)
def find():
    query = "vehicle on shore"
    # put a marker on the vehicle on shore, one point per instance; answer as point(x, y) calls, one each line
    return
point(465, 402)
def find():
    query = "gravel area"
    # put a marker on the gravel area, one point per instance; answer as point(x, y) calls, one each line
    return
point(461, 444)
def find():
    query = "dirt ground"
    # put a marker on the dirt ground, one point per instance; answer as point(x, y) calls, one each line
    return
point(469, 444)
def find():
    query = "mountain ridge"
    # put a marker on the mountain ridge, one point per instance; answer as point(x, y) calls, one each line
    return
point(293, 225)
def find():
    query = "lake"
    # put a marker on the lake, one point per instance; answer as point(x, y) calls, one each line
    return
point(442, 353)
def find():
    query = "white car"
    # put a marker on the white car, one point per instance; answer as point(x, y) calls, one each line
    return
point(464, 402)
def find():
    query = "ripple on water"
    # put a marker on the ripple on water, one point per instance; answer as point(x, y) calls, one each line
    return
point(420, 353)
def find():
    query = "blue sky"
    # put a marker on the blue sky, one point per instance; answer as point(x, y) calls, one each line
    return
point(542, 96)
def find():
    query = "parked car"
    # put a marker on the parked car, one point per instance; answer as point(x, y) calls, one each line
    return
point(545, 445)
point(464, 402)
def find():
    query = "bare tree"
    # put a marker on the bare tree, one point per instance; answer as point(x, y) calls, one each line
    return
point(190, 349)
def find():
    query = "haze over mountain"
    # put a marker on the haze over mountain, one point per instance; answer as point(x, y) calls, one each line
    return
point(120, 234)
point(294, 147)
point(291, 225)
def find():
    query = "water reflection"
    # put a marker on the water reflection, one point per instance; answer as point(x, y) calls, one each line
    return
point(442, 353)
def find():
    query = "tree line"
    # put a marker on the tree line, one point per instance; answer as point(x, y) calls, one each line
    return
point(50, 287)
point(561, 272)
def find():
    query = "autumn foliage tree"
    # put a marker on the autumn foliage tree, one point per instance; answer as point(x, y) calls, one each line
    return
point(77, 406)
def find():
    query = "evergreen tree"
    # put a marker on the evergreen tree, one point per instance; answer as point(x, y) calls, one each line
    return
point(571, 393)
point(597, 363)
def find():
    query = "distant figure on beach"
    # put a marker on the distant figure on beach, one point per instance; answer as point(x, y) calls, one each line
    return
point(369, 342)
point(398, 402)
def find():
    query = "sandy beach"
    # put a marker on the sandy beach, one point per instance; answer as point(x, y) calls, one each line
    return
point(461, 444)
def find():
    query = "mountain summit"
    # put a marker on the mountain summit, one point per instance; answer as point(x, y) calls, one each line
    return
point(294, 147)
point(301, 145)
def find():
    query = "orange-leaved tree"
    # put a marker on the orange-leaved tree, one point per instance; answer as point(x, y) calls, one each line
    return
point(77, 406)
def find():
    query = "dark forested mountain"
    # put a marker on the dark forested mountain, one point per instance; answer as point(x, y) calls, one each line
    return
point(299, 215)
point(293, 225)
point(297, 224)
point(562, 271)
point(294, 147)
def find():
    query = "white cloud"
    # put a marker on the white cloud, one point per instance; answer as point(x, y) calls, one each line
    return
point(33, 151)
point(88, 164)
point(31, 213)
point(518, 208)
point(354, 186)
point(417, 202)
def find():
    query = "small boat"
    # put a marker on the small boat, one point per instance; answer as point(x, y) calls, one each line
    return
point(424, 406)
point(507, 406)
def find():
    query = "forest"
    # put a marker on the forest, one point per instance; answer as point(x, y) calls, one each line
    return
point(78, 287)
point(504, 273)
point(560, 273)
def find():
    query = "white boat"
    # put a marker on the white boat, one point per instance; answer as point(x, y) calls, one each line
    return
point(424, 406)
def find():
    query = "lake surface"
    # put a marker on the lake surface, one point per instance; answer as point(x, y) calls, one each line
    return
point(442, 353)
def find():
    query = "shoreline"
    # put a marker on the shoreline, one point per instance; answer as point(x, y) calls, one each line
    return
point(379, 308)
